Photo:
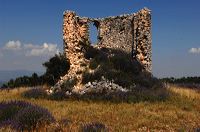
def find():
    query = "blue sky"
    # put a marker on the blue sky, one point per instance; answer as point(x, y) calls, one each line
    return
point(31, 31)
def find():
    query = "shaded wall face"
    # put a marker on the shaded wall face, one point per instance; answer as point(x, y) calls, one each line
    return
point(116, 33)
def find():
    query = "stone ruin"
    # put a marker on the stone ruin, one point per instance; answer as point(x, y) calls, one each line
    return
point(130, 33)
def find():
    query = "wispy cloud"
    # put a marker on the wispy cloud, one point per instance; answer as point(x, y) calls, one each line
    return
point(194, 50)
point(12, 45)
point(46, 49)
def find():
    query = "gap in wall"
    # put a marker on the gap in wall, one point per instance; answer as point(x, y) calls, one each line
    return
point(93, 33)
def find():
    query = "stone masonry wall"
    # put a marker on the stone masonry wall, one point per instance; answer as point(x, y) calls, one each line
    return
point(129, 33)
point(142, 38)
point(75, 39)
point(116, 33)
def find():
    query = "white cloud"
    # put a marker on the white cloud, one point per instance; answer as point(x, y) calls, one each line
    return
point(194, 50)
point(31, 46)
point(13, 45)
point(44, 50)
point(28, 56)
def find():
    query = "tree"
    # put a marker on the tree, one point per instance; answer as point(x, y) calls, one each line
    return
point(56, 67)
point(11, 83)
point(34, 79)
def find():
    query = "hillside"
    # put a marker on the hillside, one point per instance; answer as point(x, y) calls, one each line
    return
point(179, 112)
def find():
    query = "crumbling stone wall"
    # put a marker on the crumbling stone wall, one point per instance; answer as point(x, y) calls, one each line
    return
point(75, 38)
point(116, 32)
point(129, 33)
point(142, 38)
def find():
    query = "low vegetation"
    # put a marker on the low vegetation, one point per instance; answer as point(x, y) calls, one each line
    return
point(118, 66)
point(180, 111)
point(20, 116)
point(133, 96)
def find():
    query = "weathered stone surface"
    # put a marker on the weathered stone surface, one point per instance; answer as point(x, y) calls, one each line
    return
point(129, 33)
point(142, 38)
point(75, 38)
point(116, 33)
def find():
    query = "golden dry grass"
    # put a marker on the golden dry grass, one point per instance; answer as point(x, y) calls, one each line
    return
point(186, 92)
point(181, 111)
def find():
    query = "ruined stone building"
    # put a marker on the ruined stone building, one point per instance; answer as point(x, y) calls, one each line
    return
point(130, 33)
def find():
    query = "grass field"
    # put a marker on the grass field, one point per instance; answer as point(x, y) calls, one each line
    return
point(179, 112)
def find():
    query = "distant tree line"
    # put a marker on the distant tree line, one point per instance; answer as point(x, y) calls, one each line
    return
point(183, 80)
point(55, 67)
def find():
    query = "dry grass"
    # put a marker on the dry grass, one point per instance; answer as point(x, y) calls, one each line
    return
point(181, 111)
point(186, 92)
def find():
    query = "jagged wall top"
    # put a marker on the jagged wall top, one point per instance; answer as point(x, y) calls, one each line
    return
point(108, 17)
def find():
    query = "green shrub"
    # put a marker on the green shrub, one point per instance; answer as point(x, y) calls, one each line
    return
point(90, 77)
point(93, 64)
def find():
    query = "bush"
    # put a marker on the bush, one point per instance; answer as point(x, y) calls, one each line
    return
point(118, 66)
point(56, 67)
point(60, 95)
point(9, 109)
point(35, 93)
point(94, 127)
point(32, 117)
point(90, 77)
point(93, 64)
point(124, 62)
point(68, 84)
point(21, 115)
